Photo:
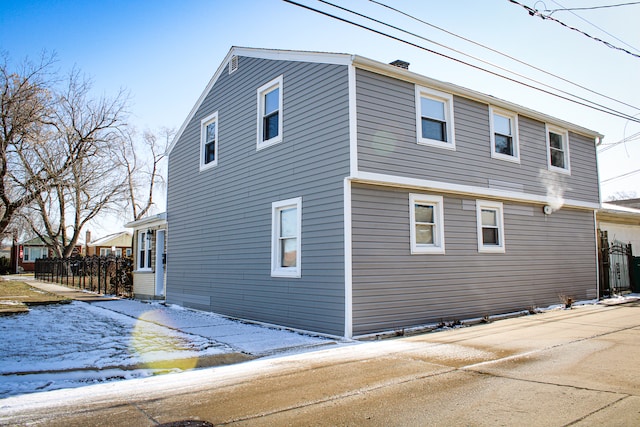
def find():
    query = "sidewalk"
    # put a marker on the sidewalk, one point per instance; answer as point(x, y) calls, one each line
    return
point(562, 367)
point(63, 291)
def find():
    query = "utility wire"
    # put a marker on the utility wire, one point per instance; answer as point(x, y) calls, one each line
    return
point(624, 175)
point(606, 147)
point(569, 9)
point(595, 26)
point(462, 53)
point(535, 12)
point(607, 110)
point(503, 54)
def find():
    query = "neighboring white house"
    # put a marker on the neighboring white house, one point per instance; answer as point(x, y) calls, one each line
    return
point(149, 256)
point(621, 223)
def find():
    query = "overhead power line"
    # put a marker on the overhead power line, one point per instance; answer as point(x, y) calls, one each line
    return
point(462, 53)
point(624, 175)
point(504, 55)
point(536, 12)
point(551, 11)
point(590, 104)
point(595, 26)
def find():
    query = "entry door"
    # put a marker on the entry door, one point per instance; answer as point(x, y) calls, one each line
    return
point(159, 263)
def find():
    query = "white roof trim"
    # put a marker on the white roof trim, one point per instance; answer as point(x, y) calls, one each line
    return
point(101, 240)
point(153, 221)
point(613, 208)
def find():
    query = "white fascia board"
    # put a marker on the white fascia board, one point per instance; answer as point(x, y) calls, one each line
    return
point(613, 208)
point(272, 54)
point(153, 221)
point(293, 55)
point(402, 74)
point(348, 261)
point(470, 190)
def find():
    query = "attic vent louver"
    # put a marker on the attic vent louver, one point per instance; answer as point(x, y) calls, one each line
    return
point(233, 64)
point(400, 64)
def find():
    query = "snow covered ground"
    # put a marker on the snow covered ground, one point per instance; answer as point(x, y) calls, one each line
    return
point(72, 345)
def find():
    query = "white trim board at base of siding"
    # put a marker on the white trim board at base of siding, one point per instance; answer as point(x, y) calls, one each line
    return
point(405, 182)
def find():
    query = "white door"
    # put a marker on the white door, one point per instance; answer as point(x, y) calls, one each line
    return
point(160, 263)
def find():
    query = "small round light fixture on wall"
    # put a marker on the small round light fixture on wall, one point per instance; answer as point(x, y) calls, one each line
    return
point(547, 210)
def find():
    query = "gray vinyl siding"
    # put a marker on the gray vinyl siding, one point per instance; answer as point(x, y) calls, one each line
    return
point(546, 256)
point(219, 254)
point(387, 144)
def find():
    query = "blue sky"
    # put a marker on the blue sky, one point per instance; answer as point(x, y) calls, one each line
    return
point(164, 52)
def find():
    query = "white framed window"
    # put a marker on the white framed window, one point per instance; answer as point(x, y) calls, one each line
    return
point(427, 224)
point(209, 141)
point(490, 226)
point(558, 149)
point(504, 135)
point(434, 118)
point(144, 251)
point(286, 234)
point(108, 251)
point(270, 113)
point(32, 253)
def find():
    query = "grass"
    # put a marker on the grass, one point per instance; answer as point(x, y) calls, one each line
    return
point(16, 296)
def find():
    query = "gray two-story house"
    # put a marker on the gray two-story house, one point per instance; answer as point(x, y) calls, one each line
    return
point(337, 194)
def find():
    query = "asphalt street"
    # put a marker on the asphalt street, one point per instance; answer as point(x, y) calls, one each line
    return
point(563, 367)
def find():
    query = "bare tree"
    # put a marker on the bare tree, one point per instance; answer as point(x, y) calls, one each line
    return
point(81, 160)
point(25, 123)
point(622, 195)
point(144, 164)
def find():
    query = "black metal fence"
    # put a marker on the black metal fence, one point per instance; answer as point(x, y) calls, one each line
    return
point(616, 262)
point(107, 275)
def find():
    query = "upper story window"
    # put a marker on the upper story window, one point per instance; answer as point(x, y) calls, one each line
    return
point(504, 135)
point(209, 141)
point(286, 242)
point(434, 118)
point(144, 250)
point(270, 113)
point(558, 149)
point(490, 226)
point(427, 224)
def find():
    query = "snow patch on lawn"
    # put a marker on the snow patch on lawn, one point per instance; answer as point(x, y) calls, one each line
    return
point(71, 345)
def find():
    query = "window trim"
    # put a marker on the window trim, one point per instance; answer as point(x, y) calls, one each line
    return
point(276, 269)
point(513, 118)
point(438, 240)
point(565, 143)
point(499, 208)
point(26, 250)
point(212, 118)
point(447, 99)
point(147, 250)
point(261, 92)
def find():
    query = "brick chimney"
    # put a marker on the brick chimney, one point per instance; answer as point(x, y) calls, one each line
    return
point(87, 240)
point(400, 64)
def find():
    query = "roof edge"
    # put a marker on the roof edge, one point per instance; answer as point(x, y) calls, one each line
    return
point(155, 220)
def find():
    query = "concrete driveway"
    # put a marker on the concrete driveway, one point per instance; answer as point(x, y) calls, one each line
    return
point(565, 367)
